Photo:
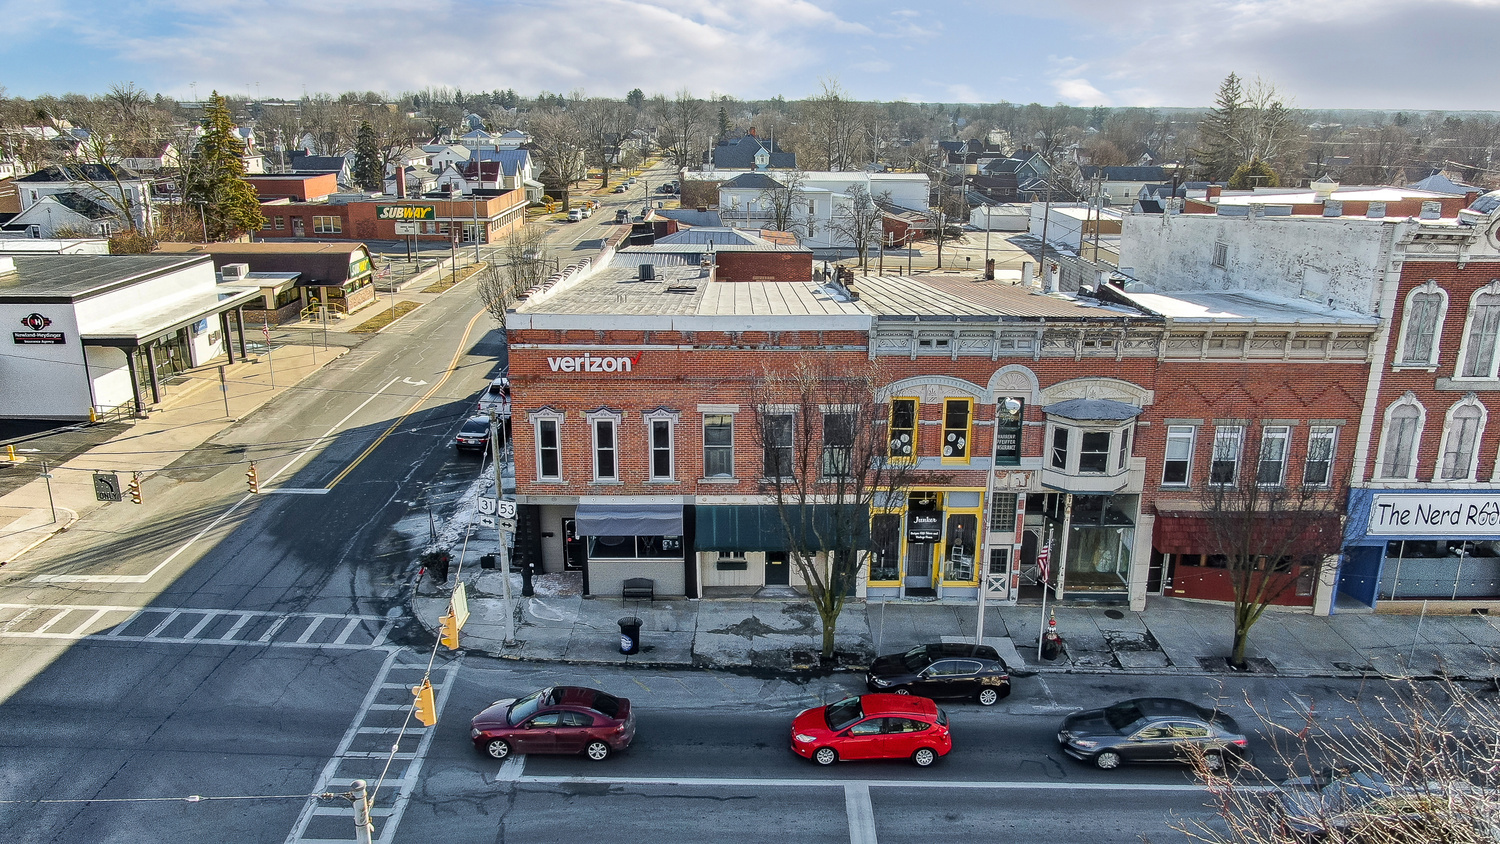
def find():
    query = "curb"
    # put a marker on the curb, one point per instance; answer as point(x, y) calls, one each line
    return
point(72, 519)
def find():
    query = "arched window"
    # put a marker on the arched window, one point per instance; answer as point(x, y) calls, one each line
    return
point(1422, 324)
point(1399, 439)
point(1460, 446)
point(1482, 333)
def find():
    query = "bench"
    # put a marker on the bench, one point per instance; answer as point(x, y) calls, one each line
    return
point(639, 589)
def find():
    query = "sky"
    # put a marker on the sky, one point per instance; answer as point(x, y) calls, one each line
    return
point(1384, 54)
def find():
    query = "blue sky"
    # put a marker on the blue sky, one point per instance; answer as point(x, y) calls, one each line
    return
point(1409, 54)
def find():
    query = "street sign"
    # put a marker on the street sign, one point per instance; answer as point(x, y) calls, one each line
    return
point(406, 228)
point(508, 525)
point(507, 509)
point(107, 486)
point(486, 505)
point(406, 212)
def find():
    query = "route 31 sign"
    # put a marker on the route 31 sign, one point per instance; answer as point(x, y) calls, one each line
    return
point(502, 508)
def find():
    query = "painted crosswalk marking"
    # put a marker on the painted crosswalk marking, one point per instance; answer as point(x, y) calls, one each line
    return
point(182, 625)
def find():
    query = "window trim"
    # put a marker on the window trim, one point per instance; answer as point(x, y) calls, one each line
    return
point(1192, 442)
point(668, 418)
point(916, 428)
point(1430, 287)
point(1220, 255)
point(1268, 433)
point(1408, 400)
point(1491, 289)
point(1469, 400)
point(538, 419)
point(827, 449)
point(1106, 454)
point(1237, 459)
point(703, 431)
point(594, 419)
point(332, 224)
point(1001, 418)
point(791, 447)
point(1315, 433)
point(968, 454)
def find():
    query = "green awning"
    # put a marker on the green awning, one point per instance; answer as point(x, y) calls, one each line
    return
point(757, 527)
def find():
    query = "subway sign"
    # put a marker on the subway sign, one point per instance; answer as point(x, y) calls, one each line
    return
point(406, 212)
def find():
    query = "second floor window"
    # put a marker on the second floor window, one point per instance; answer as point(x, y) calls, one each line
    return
point(1008, 416)
point(956, 429)
point(1319, 468)
point(778, 445)
point(903, 428)
point(1421, 327)
point(1225, 468)
point(1093, 453)
point(1271, 469)
point(838, 444)
point(1484, 330)
point(604, 450)
point(1060, 448)
point(1458, 447)
point(718, 446)
point(548, 456)
point(1400, 441)
point(1179, 456)
point(661, 450)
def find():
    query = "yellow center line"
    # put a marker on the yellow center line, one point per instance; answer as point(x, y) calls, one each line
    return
point(452, 364)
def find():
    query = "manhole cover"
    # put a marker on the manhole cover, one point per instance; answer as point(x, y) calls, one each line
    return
point(1113, 614)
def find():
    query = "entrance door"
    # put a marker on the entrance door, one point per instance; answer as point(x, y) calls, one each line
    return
point(573, 548)
point(918, 566)
point(778, 571)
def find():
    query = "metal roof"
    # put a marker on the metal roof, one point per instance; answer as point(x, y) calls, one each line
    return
point(956, 296)
point(69, 278)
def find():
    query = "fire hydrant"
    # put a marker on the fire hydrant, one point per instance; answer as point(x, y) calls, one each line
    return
point(1052, 644)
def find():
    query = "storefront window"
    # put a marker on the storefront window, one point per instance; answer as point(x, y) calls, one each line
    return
point(958, 562)
point(635, 547)
point(1008, 415)
point(885, 555)
point(1099, 543)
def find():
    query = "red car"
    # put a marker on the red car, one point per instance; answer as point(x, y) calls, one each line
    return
point(873, 726)
point(562, 719)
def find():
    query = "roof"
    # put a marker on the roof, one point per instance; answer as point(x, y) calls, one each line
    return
point(82, 205)
point(1242, 307)
point(1101, 410)
point(1308, 197)
point(884, 704)
point(80, 173)
point(719, 236)
point(752, 181)
point(318, 163)
point(70, 278)
point(1126, 174)
point(317, 262)
point(739, 153)
point(1438, 183)
point(963, 296)
point(690, 216)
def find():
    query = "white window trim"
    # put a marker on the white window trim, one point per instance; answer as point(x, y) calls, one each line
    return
point(1333, 449)
point(1469, 400)
point(1239, 455)
point(1492, 289)
point(1416, 444)
point(1427, 288)
point(537, 417)
point(614, 418)
point(1192, 439)
point(1285, 435)
point(1075, 448)
point(703, 440)
point(671, 418)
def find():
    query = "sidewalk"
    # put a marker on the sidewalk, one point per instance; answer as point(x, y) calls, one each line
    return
point(190, 414)
point(1170, 637)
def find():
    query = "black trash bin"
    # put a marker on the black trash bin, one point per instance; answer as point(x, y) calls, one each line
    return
point(630, 635)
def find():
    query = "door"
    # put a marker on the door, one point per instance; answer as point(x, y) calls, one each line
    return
point(863, 741)
point(1155, 573)
point(778, 570)
point(902, 737)
point(1151, 744)
point(540, 735)
point(918, 566)
point(573, 732)
point(573, 547)
point(298, 227)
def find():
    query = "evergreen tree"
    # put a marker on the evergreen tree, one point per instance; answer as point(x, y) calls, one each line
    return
point(1218, 154)
point(723, 123)
point(1254, 174)
point(369, 171)
point(217, 178)
point(636, 98)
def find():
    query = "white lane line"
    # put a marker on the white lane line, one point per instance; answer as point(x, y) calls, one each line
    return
point(861, 815)
point(143, 578)
point(773, 782)
point(511, 769)
point(307, 634)
point(289, 490)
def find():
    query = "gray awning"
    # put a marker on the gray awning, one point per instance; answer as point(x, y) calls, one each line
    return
point(1093, 410)
point(629, 519)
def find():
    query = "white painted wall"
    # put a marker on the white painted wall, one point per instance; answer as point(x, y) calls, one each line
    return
point(43, 382)
point(110, 370)
point(1174, 252)
point(205, 344)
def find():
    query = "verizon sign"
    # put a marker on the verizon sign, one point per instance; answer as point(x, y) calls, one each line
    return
point(1435, 515)
point(589, 362)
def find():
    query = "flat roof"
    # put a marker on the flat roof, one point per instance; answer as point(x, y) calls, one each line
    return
point(170, 314)
point(69, 278)
point(1308, 197)
point(1245, 307)
point(967, 296)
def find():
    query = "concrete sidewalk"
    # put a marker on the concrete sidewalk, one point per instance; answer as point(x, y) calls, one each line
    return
point(191, 413)
point(1170, 637)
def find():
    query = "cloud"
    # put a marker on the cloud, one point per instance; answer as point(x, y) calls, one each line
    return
point(1079, 92)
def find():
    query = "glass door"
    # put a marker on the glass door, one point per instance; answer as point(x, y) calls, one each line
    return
point(918, 565)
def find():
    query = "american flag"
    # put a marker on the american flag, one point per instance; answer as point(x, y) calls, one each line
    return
point(1044, 562)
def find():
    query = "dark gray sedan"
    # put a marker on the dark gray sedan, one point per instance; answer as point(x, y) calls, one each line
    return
point(1152, 729)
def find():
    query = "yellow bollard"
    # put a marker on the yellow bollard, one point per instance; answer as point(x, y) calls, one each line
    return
point(10, 453)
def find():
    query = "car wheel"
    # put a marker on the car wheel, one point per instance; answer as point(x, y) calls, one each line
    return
point(498, 749)
point(1108, 760)
point(825, 756)
point(924, 757)
point(901, 690)
point(988, 696)
point(597, 751)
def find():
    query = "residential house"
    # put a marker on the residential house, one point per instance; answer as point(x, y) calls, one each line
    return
point(751, 152)
point(1122, 185)
point(128, 196)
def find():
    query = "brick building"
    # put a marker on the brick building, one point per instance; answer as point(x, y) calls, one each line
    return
point(308, 205)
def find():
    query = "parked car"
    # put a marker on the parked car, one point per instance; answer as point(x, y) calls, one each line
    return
point(942, 671)
point(1152, 729)
point(474, 433)
point(575, 215)
point(495, 397)
point(875, 726)
point(561, 719)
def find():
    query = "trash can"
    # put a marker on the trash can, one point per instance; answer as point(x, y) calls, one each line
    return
point(630, 635)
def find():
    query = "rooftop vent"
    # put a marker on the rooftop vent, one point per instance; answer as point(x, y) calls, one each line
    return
point(234, 272)
point(682, 288)
point(647, 272)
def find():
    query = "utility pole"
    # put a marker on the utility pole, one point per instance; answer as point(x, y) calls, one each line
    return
point(510, 616)
point(1046, 216)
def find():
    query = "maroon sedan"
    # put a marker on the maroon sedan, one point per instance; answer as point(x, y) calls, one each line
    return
point(562, 719)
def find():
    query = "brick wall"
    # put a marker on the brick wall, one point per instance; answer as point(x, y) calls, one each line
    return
point(763, 266)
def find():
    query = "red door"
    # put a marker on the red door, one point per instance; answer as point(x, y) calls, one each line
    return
point(863, 740)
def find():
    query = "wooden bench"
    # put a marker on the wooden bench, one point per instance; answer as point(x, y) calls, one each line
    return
point(639, 589)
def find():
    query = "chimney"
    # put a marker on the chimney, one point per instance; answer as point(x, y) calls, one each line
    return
point(989, 269)
point(400, 182)
point(751, 133)
point(1214, 192)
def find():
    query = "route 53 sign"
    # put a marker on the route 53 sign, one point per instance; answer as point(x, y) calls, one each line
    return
point(504, 509)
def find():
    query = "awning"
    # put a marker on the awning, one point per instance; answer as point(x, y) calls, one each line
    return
point(628, 520)
point(1194, 534)
point(757, 527)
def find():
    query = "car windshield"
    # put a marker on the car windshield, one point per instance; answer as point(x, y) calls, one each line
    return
point(916, 659)
point(475, 426)
point(527, 706)
point(1121, 715)
point(842, 714)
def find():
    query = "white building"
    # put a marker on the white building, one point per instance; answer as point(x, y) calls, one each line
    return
point(743, 200)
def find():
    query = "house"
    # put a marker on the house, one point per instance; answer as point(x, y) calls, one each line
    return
point(153, 157)
point(751, 152)
point(821, 201)
point(66, 214)
point(304, 162)
point(125, 193)
point(1123, 185)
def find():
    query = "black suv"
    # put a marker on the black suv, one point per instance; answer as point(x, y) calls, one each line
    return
point(942, 671)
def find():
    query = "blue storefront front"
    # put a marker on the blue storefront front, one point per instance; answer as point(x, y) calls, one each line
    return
point(1420, 545)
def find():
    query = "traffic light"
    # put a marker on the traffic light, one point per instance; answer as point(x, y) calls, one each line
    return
point(425, 706)
point(134, 488)
point(450, 631)
point(252, 480)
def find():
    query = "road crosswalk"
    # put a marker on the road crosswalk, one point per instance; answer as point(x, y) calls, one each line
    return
point(194, 626)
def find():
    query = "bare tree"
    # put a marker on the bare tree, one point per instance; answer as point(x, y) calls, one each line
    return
point(683, 126)
point(785, 202)
point(859, 222)
point(946, 213)
point(822, 431)
point(1270, 526)
point(833, 130)
point(604, 124)
point(527, 264)
point(559, 146)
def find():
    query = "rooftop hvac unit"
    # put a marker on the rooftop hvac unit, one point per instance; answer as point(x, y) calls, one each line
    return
point(648, 272)
point(235, 272)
